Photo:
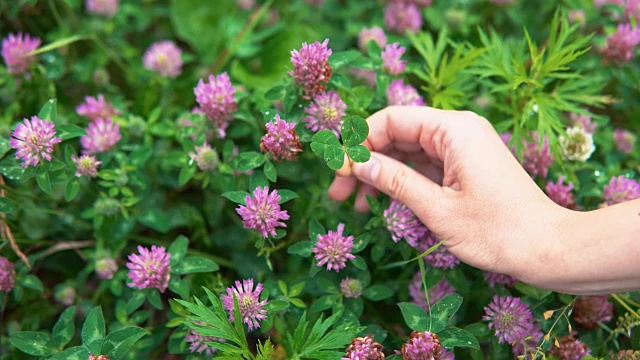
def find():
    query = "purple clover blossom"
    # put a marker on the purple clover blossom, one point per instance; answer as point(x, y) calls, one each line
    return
point(536, 159)
point(217, 99)
point(205, 157)
point(165, 58)
point(311, 68)
point(400, 94)
point(436, 292)
point(262, 212)
point(584, 121)
point(499, 279)
point(601, 3)
point(401, 17)
point(403, 223)
point(15, 52)
point(375, 34)
point(334, 249)
point(589, 311)
point(34, 139)
point(97, 108)
point(632, 10)
point(528, 346)
point(251, 308)
point(106, 267)
point(150, 269)
point(198, 343)
point(624, 140)
point(7, 274)
point(106, 8)
point(281, 140)
point(440, 257)
point(561, 194)
point(423, 346)
point(509, 317)
point(102, 135)
point(86, 165)
point(570, 348)
point(391, 62)
point(246, 4)
point(362, 348)
point(351, 288)
point(367, 76)
point(325, 113)
point(620, 47)
point(619, 190)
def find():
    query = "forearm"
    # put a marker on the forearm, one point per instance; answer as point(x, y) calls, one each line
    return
point(596, 252)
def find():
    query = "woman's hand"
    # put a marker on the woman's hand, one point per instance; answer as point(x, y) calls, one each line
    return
point(466, 187)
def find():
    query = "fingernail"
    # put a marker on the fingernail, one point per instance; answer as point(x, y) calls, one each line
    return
point(367, 172)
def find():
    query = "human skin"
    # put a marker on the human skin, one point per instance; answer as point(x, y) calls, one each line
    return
point(469, 189)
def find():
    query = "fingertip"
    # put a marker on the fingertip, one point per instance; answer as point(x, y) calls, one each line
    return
point(342, 187)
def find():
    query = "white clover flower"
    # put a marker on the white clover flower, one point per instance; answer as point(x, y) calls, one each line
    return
point(577, 145)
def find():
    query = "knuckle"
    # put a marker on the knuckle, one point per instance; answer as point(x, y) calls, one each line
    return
point(397, 184)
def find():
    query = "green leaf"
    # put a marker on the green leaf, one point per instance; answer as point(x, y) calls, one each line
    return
point(71, 189)
point(179, 286)
point(32, 282)
point(414, 316)
point(298, 303)
point(43, 180)
point(532, 291)
point(117, 344)
point(340, 59)
point(302, 248)
point(178, 250)
point(354, 131)
point(360, 243)
point(326, 145)
point(277, 305)
point(5, 146)
point(7, 205)
point(270, 171)
point(156, 219)
point(48, 111)
point(359, 153)
point(248, 160)
point(64, 328)
point(237, 197)
point(153, 295)
point(33, 343)
point(479, 329)
point(296, 289)
point(68, 131)
point(195, 264)
point(275, 93)
point(58, 44)
point(452, 337)
point(186, 173)
point(135, 301)
point(378, 292)
point(359, 263)
point(72, 353)
point(93, 330)
point(443, 310)
point(286, 195)
point(374, 205)
point(323, 303)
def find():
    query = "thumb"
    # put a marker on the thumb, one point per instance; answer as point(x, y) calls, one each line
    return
point(399, 181)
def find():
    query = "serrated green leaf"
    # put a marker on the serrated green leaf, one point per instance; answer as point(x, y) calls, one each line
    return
point(296, 289)
point(178, 250)
point(248, 160)
point(298, 303)
point(360, 243)
point(153, 295)
point(93, 330)
point(443, 310)
point(186, 173)
point(270, 171)
point(68, 131)
point(32, 282)
point(277, 305)
point(64, 328)
point(238, 197)
point(323, 303)
point(414, 316)
point(453, 337)
point(340, 59)
point(359, 263)
point(195, 264)
point(135, 301)
point(117, 343)
point(33, 343)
